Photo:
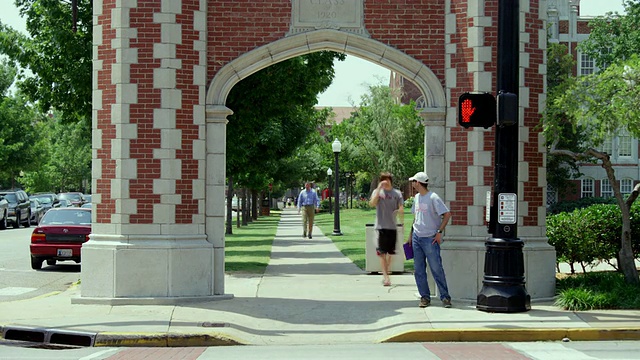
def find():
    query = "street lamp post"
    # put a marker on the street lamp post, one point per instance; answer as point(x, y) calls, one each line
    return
point(329, 172)
point(336, 147)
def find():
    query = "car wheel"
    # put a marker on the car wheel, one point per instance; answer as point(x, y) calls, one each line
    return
point(36, 263)
point(16, 224)
point(3, 223)
point(28, 222)
point(51, 262)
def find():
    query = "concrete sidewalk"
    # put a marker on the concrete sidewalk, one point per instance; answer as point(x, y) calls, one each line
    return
point(309, 294)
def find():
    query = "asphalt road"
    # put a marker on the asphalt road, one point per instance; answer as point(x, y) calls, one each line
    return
point(17, 280)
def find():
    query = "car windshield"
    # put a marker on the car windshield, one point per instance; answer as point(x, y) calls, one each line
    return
point(66, 217)
point(43, 199)
point(10, 197)
point(72, 197)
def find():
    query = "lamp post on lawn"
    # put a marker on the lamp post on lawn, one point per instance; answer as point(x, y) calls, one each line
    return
point(329, 172)
point(337, 147)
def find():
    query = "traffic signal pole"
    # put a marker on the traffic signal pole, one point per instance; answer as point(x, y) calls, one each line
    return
point(503, 287)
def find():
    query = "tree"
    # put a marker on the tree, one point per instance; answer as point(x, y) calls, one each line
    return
point(59, 59)
point(604, 105)
point(382, 136)
point(273, 116)
point(614, 37)
point(19, 137)
point(560, 169)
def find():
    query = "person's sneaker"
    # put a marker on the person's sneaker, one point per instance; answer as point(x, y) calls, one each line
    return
point(424, 302)
point(304, 235)
point(446, 302)
point(309, 236)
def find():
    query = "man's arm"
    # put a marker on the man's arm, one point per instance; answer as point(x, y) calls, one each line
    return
point(445, 220)
point(375, 195)
point(299, 202)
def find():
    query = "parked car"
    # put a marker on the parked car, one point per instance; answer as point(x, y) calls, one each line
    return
point(75, 198)
point(19, 207)
point(4, 212)
point(86, 205)
point(60, 236)
point(63, 203)
point(48, 200)
point(87, 198)
point(37, 211)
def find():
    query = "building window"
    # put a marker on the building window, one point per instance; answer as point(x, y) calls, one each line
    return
point(626, 186)
point(606, 190)
point(587, 188)
point(552, 195)
point(624, 144)
point(607, 146)
point(421, 103)
point(587, 64)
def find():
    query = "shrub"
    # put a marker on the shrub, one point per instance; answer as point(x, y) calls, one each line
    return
point(597, 290)
point(408, 203)
point(569, 206)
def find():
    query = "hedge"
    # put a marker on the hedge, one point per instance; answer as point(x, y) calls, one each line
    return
point(588, 235)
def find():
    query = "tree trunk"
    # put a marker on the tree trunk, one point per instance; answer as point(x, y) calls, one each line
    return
point(255, 204)
point(244, 206)
point(229, 225)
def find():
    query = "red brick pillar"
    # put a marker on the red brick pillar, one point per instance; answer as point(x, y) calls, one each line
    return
point(149, 151)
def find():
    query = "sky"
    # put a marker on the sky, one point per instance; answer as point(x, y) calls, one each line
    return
point(354, 75)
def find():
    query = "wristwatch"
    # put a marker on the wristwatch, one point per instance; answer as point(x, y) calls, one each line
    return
point(439, 231)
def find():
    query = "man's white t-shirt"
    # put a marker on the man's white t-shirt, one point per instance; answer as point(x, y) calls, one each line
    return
point(427, 210)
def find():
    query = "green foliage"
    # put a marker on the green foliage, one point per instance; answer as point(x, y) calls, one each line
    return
point(557, 126)
point(591, 234)
point(274, 117)
point(597, 290)
point(408, 204)
point(20, 141)
point(382, 136)
point(569, 206)
point(59, 59)
point(614, 37)
point(65, 158)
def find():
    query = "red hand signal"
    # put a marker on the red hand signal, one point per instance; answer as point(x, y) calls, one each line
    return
point(467, 110)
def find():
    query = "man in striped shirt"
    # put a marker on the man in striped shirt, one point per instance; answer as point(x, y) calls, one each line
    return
point(308, 199)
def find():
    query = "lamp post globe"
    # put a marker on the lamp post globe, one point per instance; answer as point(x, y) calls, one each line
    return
point(336, 146)
point(329, 172)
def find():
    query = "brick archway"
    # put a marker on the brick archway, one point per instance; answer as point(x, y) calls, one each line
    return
point(327, 39)
point(162, 71)
point(289, 47)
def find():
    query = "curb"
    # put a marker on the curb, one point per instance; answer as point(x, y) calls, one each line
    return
point(516, 335)
point(113, 339)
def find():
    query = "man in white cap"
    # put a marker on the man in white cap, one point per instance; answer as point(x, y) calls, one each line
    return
point(431, 216)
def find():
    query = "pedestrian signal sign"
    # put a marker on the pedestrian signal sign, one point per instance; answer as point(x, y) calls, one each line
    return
point(477, 110)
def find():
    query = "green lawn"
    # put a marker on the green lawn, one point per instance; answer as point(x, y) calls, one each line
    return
point(248, 249)
point(352, 226)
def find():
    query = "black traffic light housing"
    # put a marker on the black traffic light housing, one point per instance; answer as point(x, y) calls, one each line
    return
point(477, 110)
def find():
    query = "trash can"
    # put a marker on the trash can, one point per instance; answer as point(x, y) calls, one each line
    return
point(266, 209)
point(372, 261)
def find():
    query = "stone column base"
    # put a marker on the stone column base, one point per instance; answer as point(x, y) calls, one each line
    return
point(147, 269)
point(463, 262)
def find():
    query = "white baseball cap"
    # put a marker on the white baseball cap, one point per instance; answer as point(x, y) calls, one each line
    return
point(420, 177)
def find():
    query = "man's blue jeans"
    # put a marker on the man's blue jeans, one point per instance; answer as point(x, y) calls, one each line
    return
point(425, 251)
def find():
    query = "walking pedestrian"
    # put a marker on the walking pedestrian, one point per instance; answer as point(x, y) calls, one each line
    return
point(309, 200)
point(389, 205)
point(431, 216)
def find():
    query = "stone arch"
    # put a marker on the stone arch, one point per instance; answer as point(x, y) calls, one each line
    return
point(304, 43)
